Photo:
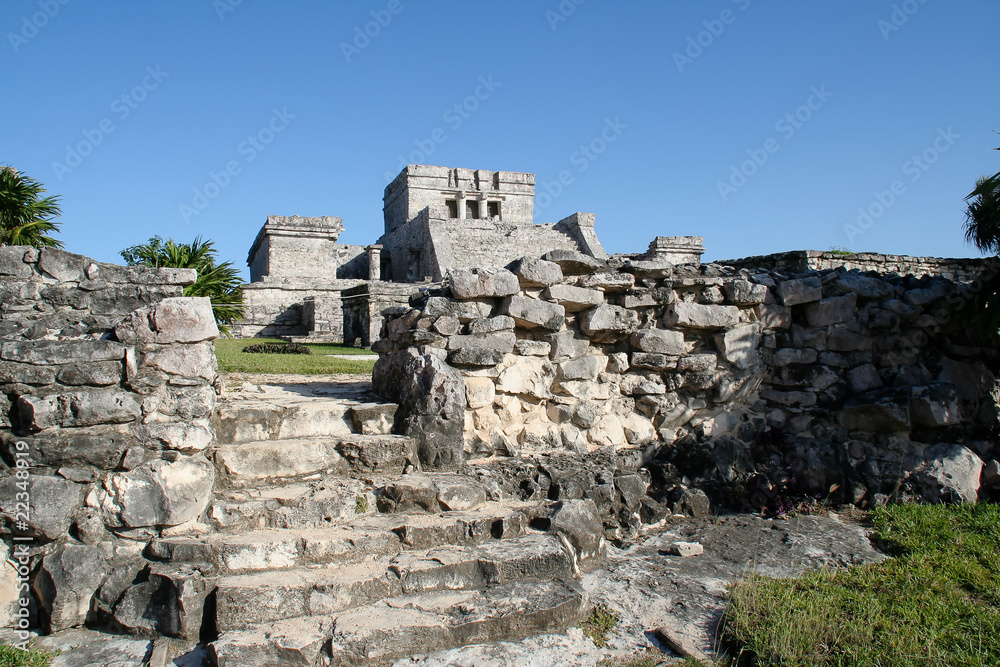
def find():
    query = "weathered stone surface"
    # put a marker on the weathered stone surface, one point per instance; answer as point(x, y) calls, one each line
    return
point(460, 495)
point(953, 473)
point(433, 621)
point(773, 316)
point(12, 262)
point(373, 418)
point(739, 345)
point(660, 341)
point(86, 408)
point(87, 648)
point(491, 325)
point(532, 376)
point(936, 404)
point(744, 292)
point(431, 396)
point(802, 290)
point(464, 311)
point(58, 352)
point(572, 262)
point(697, 363)
point(533, 348)
point(864, 286)
point(698, 316)
point(579, 523)
point(878, 411)
point(479, 392)
point(833, 310)
point(534, 314)
point(991, 475)
point(574, 299)
point(66, 582)
point(793, 355)
point(172, 320)
point(483, 282)
point(651, 360)
point(292, 643)
point(411, 493)
point(582, 368)
point(533, 272)
point(158, 493)
point(654, 269)
point(684, 549)
point(567, 345)
point(864, 378)
point(608, 324)
point(51, 504)
point(609, 281)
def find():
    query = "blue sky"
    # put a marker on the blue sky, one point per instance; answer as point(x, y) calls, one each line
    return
point(761, 126)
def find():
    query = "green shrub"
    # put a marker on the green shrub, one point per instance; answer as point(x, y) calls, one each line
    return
point(277, 348)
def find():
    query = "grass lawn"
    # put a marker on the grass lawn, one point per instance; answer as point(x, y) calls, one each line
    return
point(936, 603)
point(232, 359)
point(11, 656)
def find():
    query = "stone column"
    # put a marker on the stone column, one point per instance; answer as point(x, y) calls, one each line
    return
point(460, 200)
point(374, 262)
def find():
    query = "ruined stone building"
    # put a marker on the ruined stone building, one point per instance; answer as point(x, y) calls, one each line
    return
point(305, 284)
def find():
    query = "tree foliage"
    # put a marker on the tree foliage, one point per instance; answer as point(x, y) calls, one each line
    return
point(220, 282)
point(26, 217)
point(982, 229)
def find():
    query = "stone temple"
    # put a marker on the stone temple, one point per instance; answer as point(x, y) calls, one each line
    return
point(305, 284)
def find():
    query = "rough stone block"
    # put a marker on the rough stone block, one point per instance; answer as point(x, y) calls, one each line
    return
point(864, 378)
point(99, 373)
point(651, 360)
point(583, 368)
point(773, 316)
point(697, 363)
point(660, 341)
point(66, 582)
point(479, 392)
point(533, 272)
point(464, 311)
point(574, 299)
point(833, 310)
point(483, 282)
point(59, 352)
point(699, 316)
point(608, 324)
point(534, 314)
point(61, 265)
point(609, 281)
point(739, 345)
point(802, 290)
point(684, 549)
point(936, 404)
point(12, 262)
point(171, 320)
point(533, 348)
point(85, 408)
point(51, 504)
point(878, 411)
point(491, 325)
point(794, 355)
point(789, 398)
point(864, 286)
point(572, 262)
point(744, 293)
point(373, 418)
point(954, 473)
point(567, 345)
point(158, 493)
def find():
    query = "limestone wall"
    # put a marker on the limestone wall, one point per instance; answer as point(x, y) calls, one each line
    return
point(276, 307)
point(106, 389)
point(760, 386)
point(961, 269)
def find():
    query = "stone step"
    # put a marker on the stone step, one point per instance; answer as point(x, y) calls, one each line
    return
point(251, 599)
point(251, 464)
point(364, 538)
point(238, 421)
point(334, 500)
point(404, 626)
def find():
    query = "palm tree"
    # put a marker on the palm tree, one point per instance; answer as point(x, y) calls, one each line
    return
point(220, 282)
point(982, 229)
point(26, 217)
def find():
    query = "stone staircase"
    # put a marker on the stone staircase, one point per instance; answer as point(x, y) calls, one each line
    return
point(328, 545)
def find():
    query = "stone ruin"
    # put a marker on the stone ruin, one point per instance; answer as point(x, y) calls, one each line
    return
point(304, 285)
point(527, 416)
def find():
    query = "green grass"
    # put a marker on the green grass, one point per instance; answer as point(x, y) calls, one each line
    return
point(11, 656)
point(597, 626)
point(232, 359)
point(936, 603)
